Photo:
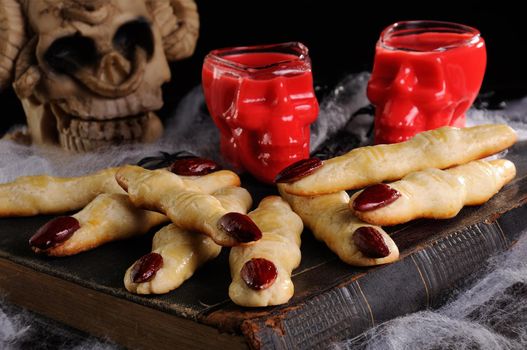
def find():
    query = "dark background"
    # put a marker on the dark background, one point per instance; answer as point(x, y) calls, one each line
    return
point(341, 40)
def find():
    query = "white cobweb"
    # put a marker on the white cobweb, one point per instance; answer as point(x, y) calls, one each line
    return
point(20, 330)
point(191, 129)
point(11, 329)
point(514, 114)
point(489, 314)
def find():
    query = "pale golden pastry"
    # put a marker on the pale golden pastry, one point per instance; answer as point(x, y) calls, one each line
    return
point(261, 272)
point(186, 205)
point(178, 253)
point(43, 194)
point(432, 193)
point(212, 182)
point(440, 148)
point(354, 241)
point(109, 217)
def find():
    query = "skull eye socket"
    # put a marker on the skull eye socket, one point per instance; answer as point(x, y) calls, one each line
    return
point(70, 53)
point(133, 34)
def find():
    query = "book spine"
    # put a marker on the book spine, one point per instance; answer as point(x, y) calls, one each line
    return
point(418, 280)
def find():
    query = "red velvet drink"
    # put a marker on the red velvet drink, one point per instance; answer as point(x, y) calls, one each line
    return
point(426, 75)
point(262, 100)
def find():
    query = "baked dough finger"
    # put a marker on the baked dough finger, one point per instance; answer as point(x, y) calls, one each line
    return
point(212, 182)
point(43, 194)
point(186, 205)
point(261, 272)
point(440, 148)
point(109, 217)
point(432, 193)
point(354, 241)
point(178, 253)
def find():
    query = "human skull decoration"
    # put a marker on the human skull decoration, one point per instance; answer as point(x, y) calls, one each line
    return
point(89, 72)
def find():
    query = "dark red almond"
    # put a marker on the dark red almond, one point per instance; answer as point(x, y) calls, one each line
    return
point(54, 232)
point(145, 268)
point(194, 166)
point(369, 241)
point(375, 197)
point(259, 273)
point(298, 170)
point(239, 226)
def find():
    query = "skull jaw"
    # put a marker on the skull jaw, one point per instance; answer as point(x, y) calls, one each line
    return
point(41, 122)
point(49, 125)
point(149, 131)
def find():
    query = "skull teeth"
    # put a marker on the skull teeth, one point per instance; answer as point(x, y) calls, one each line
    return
point(121, 129)
point(76, 144)
point(82, 135)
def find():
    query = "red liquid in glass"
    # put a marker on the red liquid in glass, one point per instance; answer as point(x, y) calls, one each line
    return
point(263, 105)
point(423, 81)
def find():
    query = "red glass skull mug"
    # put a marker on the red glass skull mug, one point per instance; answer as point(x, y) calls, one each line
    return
point(426, 74)
point(262, 100)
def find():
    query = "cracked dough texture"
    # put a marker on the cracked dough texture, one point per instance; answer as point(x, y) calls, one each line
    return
point(441, 194)
point(182, 201)
point(331, 221)
point(43, 194)
point(108, 218)
point(440, 148)
point(185, 251)
point(280, 244)
point(112, 216)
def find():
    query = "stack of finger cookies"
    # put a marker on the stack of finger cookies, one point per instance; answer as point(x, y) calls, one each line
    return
point(201, 208)
point(432, 175)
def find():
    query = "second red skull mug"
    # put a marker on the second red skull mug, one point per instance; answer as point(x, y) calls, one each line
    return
point(426, 74)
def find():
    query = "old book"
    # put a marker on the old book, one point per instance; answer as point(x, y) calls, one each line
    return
point(332, 300)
